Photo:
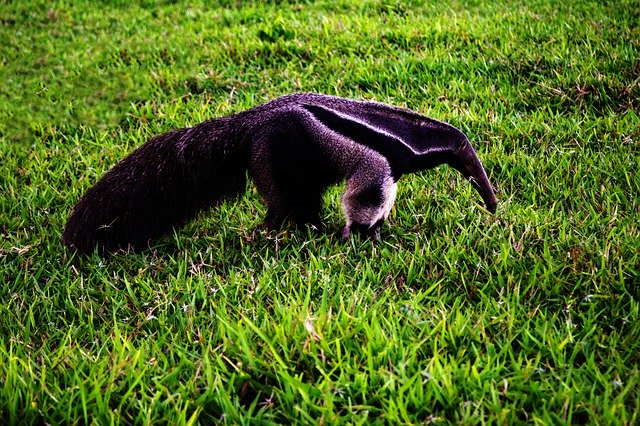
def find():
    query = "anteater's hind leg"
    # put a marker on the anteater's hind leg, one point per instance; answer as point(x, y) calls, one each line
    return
point(290, 187)
point(367, 200)
point(307, 208)
point(301, 209)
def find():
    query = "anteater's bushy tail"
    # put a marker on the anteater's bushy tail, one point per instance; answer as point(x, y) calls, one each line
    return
point(160, 185)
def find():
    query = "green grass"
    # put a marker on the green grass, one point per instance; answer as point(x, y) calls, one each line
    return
point(458, 316)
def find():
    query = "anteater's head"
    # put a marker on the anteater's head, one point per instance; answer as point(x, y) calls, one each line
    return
point(466, 161)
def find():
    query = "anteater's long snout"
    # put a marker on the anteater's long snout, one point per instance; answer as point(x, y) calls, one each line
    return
point(470, 166)
point(485, 190)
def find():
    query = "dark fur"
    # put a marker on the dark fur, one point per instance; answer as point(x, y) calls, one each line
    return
point(294, 148)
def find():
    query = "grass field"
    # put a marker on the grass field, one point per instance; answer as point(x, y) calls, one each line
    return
point(458, 316)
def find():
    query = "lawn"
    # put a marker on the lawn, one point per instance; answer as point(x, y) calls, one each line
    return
point(457, 316)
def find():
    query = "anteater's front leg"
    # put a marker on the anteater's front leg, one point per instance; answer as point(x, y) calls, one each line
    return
point(368, 199)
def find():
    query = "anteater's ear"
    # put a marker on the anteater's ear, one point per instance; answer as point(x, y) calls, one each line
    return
point(462, 145)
